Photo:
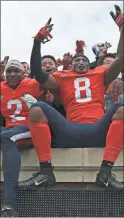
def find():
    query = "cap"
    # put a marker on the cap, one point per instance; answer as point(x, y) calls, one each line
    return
point(14, 63)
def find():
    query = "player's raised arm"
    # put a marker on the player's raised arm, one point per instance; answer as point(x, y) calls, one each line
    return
point(42, 77)
point(115, 68)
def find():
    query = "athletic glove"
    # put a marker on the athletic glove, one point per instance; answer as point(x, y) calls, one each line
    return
point(43, 34)
point(28, 100)
point(80, 46)
point(118, 17)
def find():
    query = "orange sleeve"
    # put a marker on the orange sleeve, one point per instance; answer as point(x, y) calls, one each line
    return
point(59, 76)
point(101, 69)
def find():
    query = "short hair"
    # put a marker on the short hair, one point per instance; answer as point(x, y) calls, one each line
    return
point(80, 55)
point(50, 57)
point(101, 59)
point(24, 62)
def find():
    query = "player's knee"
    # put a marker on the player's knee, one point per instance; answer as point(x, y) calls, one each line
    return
point(119, 115)
point(37, 115)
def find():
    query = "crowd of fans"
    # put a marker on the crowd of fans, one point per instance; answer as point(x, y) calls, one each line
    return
point(35, 111)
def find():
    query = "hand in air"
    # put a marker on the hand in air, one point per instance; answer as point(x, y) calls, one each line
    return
point(28, 100)
point(118, 16)
point(65, 62)
point(67, 59)
point(43, 34)
point(59, 62)
point(100, 49)
point(80, 46)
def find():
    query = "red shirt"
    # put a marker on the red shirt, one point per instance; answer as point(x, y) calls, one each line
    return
point(14, 110)
point(82, 94)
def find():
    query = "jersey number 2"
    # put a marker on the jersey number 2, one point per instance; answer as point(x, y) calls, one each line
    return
point(85, 88)
point(15, 116)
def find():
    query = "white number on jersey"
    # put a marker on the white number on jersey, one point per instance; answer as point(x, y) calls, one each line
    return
point(85, 88)
point(15, 116)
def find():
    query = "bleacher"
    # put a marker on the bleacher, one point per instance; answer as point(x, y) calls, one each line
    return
point(75, 193)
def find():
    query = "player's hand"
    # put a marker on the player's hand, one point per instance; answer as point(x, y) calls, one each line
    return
point(49, 97)
point(43, 34)
point(100, 49)
point(28, 100)
point(80, 46)
point(59, 62)
point(67, 59)
point(118, 16)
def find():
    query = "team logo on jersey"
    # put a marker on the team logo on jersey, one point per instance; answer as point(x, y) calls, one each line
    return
point(1, 97)
point(64, 74)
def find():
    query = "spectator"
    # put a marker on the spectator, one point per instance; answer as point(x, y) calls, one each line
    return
point(106, 59)
point(48, 64)
point(26, 69)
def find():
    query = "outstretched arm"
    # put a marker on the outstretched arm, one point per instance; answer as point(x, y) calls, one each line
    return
point(42, 77)
point(115, 68)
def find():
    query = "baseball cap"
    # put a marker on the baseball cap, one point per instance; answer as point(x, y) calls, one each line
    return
point(14, 63)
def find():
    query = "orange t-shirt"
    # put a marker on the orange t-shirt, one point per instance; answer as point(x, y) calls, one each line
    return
point(14, 110)
point(82, 94)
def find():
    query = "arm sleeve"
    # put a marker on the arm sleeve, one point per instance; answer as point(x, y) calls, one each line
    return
point(35, 64)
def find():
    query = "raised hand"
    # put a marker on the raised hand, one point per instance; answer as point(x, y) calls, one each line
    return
point(100, 49)
point(80, 46)
point(43, 34)
point(65, 62)
point(67, 59)
point(59, 62)
point(118, 16)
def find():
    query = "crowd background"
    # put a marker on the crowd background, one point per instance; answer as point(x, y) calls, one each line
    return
point(102, 56)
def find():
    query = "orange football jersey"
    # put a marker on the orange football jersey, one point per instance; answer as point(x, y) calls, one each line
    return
point(14, 110)
point(82, 94)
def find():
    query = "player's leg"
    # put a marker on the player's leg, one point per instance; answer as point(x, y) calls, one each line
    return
point(11, 165)
point(41, 137)
point(114, 144)
point(44, 120)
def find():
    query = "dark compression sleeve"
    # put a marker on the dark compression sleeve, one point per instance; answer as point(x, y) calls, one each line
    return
point(35, 64)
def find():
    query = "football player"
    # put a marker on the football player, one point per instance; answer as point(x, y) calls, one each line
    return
point(16, 114)
point(82, 94)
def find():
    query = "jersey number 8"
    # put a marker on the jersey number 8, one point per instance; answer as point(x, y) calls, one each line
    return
point(85, 88)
